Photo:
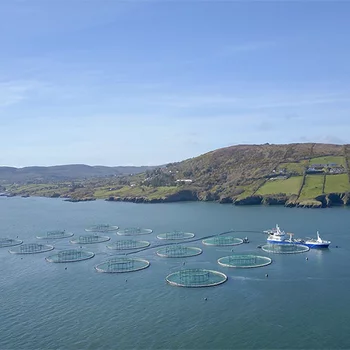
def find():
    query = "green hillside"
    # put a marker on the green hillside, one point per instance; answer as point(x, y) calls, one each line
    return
point(337, 183)
point(243, 174)
point(313, 187)
point(289, 186)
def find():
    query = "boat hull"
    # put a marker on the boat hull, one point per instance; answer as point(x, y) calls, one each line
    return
point(317, 245)
point(308, 244)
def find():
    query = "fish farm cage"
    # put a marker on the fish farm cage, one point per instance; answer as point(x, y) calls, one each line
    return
point(133, 231)
point(128, 244)
point(70, 255)
point(178, 251)
point(285, 248)
point(194, 278)
point(222, 241)
point(176, 235)
point(9, 242)
point(122, 265)
point(244, 261)
point(31, 248)
point(90, 239)
point(57, 234)
point(102, 228)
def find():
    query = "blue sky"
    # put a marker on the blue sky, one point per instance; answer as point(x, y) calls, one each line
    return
point(149, 82)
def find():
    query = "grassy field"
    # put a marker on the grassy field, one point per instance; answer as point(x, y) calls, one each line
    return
point(293, 167)
point(41, 190)
point(327, 160)
point(250, 189)
point(337, 183)
point(137, 191)
point(312, 187)
point(288, 186)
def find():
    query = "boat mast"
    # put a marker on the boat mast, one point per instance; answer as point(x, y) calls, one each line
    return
point(318, 237)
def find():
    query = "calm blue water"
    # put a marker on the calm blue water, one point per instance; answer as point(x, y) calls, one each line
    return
point(303, 304)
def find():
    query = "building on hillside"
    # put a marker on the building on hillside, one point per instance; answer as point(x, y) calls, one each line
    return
point(336, 170)
point(186, 181)
point(314, 170)
point(279, 177)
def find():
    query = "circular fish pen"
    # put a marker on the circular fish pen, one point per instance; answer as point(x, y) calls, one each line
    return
point(90, 239)
point(222, 241)
point(134, 231)
point(9, 242)
point(128, 244)
point(178, 251)
point(102, 228)
point(176, 235)
point(122, 265)
point(285, 248)
point(31, 248)
point(70, 255)
point(55, 235)
point(195, 278)
point(244, 261)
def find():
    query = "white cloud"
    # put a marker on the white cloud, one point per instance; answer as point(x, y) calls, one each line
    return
point(13, 92)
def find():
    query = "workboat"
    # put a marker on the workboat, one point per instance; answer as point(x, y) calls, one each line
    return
point(316, 242)
point(277, 236)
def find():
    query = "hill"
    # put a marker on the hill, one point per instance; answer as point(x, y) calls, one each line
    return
point(65, 172)
point(308, 174)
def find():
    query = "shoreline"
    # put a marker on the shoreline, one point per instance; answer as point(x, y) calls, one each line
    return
point(321, 202)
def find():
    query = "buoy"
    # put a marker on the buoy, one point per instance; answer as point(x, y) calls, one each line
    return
point(126, 280)
point(306, 258)
point(65, 268)
point(336, 246)
point(205, 299)
point(266, 275)
point(183, 263)
point(231, 250)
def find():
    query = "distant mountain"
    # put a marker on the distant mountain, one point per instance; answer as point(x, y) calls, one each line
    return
point(65, 172)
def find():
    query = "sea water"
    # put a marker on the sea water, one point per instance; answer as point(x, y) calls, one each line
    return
point(302, 304)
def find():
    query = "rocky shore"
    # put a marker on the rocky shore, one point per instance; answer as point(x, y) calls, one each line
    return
point(181, 196)
point(323, 201)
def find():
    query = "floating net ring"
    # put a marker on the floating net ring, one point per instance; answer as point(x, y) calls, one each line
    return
point(70, 255)
point(178, 251)
point(134, 231)
point(9, 242)
point(55, 235)
point(222, 241)
point(244, 261)
point(128, 244)
point(194, 278)
point(102, 228)
point(90, 239)
point(288, 248)
point(31, 248)
point(121, 265)
point(176, 235)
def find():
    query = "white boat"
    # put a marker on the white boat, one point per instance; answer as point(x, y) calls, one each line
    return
point(317, 242)
point(277, 236)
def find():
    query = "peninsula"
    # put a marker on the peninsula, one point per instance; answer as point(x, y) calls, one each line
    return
point(301, 174)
